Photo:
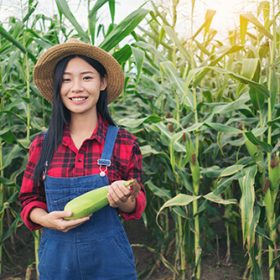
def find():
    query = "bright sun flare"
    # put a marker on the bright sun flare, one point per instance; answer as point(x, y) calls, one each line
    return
point(225, 19)
point(227, 12)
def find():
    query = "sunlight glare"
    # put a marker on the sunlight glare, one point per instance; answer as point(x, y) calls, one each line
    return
point(227, 13)
point(225, 19)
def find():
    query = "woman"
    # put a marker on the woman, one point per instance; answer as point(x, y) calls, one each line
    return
point(82, 150)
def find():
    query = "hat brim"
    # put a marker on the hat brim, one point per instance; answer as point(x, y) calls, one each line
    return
point(45, 66)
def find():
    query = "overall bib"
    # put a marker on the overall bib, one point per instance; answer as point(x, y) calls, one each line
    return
point(96, 250)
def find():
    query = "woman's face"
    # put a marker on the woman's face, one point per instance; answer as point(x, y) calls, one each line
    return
point(81, 86)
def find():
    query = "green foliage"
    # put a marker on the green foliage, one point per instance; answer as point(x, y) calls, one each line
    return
point(217, 128)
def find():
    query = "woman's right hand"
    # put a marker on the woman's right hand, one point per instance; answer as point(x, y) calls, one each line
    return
point(55, 220)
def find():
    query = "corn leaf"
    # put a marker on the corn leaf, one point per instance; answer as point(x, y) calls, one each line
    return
point(15, 152)
point(260, 88)
point(251, 18)
point(134, 123)
point(211, 172)
point(243, 28)
point(64, 9)
point(123, 29)
point(178, 43)
point(263, 233)
point(183, 92)
point(139, 60)
point(223, 128)
point(276, 120)
point(257, 99)
point(194, 127)
point(263, 145)
point(209, 15)
point(264, 7)
point(228, 171)
point(30, 12)
point(147, 151)
point(123, 54)
point(178, 200)
point(275, 261)
point(247, 200)
point(238, 104)
point(112, 7)
point(218, 199)
point(173, 76)
point(202, 48)
point(160, 192)
point(205, 70)
point(92, 18)
point(176, 160)
point(274, 86)
point(253, 226)
point(249, 67)
point(7, 135)
point(16, 43)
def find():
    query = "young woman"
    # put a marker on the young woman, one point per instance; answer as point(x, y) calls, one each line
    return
point(82, 150)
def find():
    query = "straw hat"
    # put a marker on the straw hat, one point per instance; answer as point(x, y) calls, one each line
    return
point(44, 68)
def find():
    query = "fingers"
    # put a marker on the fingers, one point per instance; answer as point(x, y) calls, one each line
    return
point(135, 189)
point(56, 221)
point(61, 214)
point(66, 225)
point(118, 193)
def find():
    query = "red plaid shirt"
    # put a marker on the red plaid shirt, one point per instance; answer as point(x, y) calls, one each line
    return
point(68, 161)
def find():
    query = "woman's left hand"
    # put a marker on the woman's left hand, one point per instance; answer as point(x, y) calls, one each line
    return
point(120, 196)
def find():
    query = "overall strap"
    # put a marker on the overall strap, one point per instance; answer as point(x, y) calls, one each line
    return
point(110, 139)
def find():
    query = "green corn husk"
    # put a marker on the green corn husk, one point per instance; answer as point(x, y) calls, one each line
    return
point(90, 202)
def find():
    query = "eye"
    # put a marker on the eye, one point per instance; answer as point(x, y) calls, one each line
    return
point(86, 78)
point(65, 80)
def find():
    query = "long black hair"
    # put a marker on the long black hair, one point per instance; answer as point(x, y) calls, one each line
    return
point(61, 116)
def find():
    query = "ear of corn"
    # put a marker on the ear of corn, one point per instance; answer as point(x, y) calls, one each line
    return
point(90, 202)
point(274, 174)
point(195, 169)
point(253, 150)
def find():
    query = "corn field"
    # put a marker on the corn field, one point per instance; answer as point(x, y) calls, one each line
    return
point(206, 113)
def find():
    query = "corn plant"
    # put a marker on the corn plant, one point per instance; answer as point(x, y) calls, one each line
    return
point(210, 110)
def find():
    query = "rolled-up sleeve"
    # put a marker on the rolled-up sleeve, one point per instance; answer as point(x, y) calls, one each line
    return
point(31, 195)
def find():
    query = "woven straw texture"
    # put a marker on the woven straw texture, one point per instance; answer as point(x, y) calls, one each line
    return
point(44, 68)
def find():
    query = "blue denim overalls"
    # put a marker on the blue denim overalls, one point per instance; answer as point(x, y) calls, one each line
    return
point(96, 250)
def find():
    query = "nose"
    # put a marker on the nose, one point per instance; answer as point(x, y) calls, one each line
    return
point(76, 86)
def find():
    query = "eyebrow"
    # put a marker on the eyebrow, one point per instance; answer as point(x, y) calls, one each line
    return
point(85, 72)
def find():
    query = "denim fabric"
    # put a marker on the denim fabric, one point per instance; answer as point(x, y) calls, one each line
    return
point(96, 250)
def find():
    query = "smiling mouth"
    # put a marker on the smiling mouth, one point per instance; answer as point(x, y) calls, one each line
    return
point(77, 99)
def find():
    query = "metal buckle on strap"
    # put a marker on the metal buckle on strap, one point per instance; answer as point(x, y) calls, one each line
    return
point(102, 172)
point(105, 162)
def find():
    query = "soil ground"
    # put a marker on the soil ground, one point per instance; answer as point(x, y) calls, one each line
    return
point(20, 265)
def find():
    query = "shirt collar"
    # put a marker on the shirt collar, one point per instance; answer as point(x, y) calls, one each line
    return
point(99, 133)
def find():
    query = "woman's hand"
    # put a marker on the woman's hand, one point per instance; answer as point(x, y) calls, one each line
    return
point(122, 197)
point(55, 220)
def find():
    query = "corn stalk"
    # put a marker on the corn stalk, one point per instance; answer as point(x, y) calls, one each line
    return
point(194, 165)
point(271, 193)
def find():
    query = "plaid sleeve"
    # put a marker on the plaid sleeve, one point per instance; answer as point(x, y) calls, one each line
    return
point(134, 170)
point(31, 195)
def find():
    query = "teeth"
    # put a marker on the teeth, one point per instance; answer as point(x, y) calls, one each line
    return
point(78, 98)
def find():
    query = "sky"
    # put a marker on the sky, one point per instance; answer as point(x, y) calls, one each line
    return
point(226, 18)
point(78, 7)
